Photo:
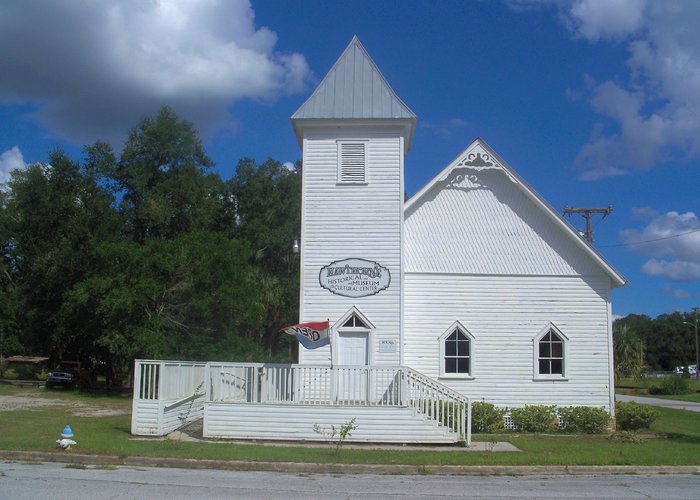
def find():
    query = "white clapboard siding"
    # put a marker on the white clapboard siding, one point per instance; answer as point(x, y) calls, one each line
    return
point(167, 394)
point(504, 314)
point(296, 422)
point(152, 417)
point(342, 221)
point(145, 417)
point(484, 223)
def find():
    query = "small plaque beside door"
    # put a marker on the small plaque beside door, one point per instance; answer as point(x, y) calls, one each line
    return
point(387, 346)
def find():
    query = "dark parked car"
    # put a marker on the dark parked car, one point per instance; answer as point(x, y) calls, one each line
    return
point(68, 374)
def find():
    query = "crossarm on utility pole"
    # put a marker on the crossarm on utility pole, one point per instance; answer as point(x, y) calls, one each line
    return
point(587, 213)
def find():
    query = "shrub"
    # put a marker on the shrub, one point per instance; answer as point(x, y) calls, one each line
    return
point(26, 371)
point(672, 385)
point(625, 437)
point(486, 417)
point(584, 419)
point(632, 416)
point(535, 418)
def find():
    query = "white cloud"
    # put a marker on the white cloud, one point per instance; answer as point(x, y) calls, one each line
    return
point(673, 270)
point(93, 69)
point(644, 213)
point(596, 19)
point(673, 242)
point(677, 293)
point(444, 128)
point(10, 160)
point(654, 108)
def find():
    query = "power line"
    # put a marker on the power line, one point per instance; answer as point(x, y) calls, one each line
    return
point(650, 241)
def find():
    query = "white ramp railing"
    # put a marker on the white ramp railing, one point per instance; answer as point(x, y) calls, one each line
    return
point(167, 394)
point(305, 384)
point(170, 388)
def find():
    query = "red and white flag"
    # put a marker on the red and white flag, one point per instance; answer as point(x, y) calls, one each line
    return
point(311, 335)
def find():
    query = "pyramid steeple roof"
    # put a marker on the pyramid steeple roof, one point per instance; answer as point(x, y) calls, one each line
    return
point(354, 88)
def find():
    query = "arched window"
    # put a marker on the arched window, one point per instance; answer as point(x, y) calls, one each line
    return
point(456, 352)
point(550, 353)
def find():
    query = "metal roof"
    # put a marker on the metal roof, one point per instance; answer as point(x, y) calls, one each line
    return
point(354, 88)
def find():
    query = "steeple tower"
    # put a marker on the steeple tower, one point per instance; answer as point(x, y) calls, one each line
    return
point(354, 131)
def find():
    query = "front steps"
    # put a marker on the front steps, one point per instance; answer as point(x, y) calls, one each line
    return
point(279, 422)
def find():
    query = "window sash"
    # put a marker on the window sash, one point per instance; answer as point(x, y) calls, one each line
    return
point(551, 354)
point(457, 353)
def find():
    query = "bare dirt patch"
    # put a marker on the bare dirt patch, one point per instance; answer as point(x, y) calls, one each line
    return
point(27, 401)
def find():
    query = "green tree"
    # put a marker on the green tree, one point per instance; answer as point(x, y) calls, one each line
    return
point(161, 175)
point(148, 254)
point(9, 336)
point(53, 218)
point(629, 353)
point(186, 282)
point(268, 215)
point(668, 342)
point(189, 298)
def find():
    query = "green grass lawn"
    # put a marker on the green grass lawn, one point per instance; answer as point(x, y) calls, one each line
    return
point(640, 387)
point(674, 440)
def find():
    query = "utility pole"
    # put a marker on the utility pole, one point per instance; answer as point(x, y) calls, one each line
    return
point(695, 323)
point(587, 213)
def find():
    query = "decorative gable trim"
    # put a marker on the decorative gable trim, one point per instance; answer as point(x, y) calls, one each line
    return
point(480, 156)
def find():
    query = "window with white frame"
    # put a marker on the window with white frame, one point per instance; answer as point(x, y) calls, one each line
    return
point(550, 353)
point(456, 352)
point(352, 162)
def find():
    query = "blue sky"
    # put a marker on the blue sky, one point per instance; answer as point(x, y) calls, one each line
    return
point(594, 103)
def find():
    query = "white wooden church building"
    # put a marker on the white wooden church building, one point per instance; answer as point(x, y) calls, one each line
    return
point(473, 289)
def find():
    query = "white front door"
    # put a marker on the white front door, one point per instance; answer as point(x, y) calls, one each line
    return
point(353, 349)
point(352, 382)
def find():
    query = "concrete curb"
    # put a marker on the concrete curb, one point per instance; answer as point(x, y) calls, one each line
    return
point(313, 468)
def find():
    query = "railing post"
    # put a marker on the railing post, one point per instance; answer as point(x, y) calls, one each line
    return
point(403, 389)
point(334, 384)
point(296, 375)
point(137, 379)
point(207, 382)
point(263, 376)
point(469, 421)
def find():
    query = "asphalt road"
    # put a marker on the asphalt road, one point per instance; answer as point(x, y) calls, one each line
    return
point(665, 403)
point(20, 481)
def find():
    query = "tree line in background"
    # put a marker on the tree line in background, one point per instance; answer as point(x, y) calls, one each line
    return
point(643, 344)
point(149, 254)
